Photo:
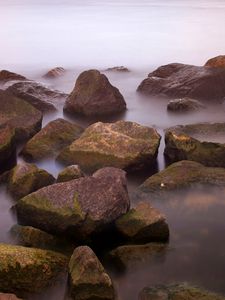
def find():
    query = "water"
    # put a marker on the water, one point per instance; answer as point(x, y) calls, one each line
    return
point(141, 35)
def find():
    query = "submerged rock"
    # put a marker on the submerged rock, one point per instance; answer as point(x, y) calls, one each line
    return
point(6, 76)
point(70, 173)
point(94, 95)
point(125, 145)
point(28, 269)
point(143, 224)
point(216, 62)
point(55, 136)
point(180, 80)
point(184, 105)
point(118, 69)
point(26, 178)
point(203, 142)
point(19, 115)
point(177, 292)
point(79, 208)
point(88, 278)
point(36, 94)
point(55, 73)
point(7, 144)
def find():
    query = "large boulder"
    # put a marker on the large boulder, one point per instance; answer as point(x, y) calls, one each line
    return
point(26, 178)
point(8, 297)
point(177, 292)
point(19, 115)
point(203, 142)
point(70, 173)
point(55, 73)
point(7, 144)
point(125, 145)
point(216, 62)
point(30, 270)
point(51, 139)
point(184, 105)
point(6, 76)
point(180, 80)
point(88, 278)
point(79, 208)
point(94, 95)
point(143, 224)
point(36, 94)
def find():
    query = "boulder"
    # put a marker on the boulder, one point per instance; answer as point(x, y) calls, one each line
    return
point(143, 224)
point(24, 270)
point(180, 80)
point(79, 208)
point(26, 178)
point(51, 139)
point(6, 76)
point(184, 105)
point(125, 145)
point(55, 73)
point(70, 173)
point(216, 62)
point(36, 94)
point(203, 142)
point(19, 115)
point(8, 297)
point(7, 144)
point(88, 278)
point(118, 69)
point(94, 95)
point(177, 292)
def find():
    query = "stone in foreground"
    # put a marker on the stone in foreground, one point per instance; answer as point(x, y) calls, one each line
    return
point(88, 278)
point(27, 178)
point(184, 105)
point(124, 145)
point(8, 297)
point(143, 224)
point(216, 62)
point(78, 208)
point(28, 269)
point(179, 80)
point(203, 142)
point(177, 292)
point(93, 95)
point(55, 136)
point(70, 173)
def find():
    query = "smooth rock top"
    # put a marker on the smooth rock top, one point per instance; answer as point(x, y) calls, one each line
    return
point(125, 145)
point(216, 62)
point(70, 173)
point(6, 76)
point(180, 80)
point(88, 278)
point(78, 207)
point(93, 95)
point(55, 73)
point(184, 105)
point(51, 139)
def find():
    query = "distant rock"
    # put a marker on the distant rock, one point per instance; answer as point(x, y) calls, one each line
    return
point(6, 76)
point(94, 95)
point(7, 144)
point(216, 62)
point(55, 73)
point(125, 145)
point(70, 173)
point(51, 139)
point(184, 105)
point(88, 278)
point(180, 80)
point(118, 69)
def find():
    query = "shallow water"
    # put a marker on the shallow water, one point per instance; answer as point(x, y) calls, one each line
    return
point(142, 35)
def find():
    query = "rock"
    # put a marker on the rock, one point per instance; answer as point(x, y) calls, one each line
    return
point(24, 270)
point(177, 292)
point(70, 173)
point(184, 105)
point(88, 278)
point(19, 115)
point(36, 94)
point(7, 144)
point(8, 297)
point(118, 69)
point(127, 256)
point(78, 208)
point(216, 62)
point(32, 237)
point(55, 73)
point(183, 174)
point(55, 136)
point(26, 178)
point(203, 142)
point(6, 76)
point(94, 95)
point(180, 80)
point(143, 224)
point(124, 145)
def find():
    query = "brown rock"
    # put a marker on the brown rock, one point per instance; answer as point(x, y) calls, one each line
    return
point(216, 62)
point(6, 76)
point(55, 73)
point(70, 173)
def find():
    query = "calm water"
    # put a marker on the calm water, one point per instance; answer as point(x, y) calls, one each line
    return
point(78, 35)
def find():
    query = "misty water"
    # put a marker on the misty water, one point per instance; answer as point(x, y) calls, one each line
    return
point(141, 35)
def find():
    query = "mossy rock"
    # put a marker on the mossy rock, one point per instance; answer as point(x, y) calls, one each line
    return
point(19, 115)
point(28, 270)
point(26, 178)
point(88, 278)
point(70, 173)
point(203, 142)
point(143, 224)
point(177, 292)
point(7, 144)
point(51, 139)
point(124, 145)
